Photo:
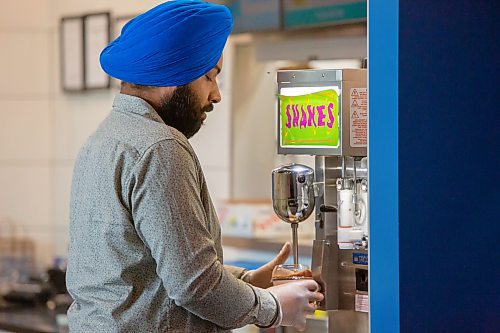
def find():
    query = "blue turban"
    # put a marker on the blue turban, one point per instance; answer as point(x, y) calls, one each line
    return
point(172, 44)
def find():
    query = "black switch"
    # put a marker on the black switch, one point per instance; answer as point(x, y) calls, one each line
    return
point(361, 279)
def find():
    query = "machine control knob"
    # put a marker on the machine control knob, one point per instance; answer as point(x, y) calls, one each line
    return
point(327, 209)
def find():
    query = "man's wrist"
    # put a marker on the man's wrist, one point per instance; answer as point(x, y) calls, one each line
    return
point(279, 311)
point(246, 275)
point(278, 316)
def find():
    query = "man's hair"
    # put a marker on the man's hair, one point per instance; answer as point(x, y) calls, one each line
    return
point(134, 86)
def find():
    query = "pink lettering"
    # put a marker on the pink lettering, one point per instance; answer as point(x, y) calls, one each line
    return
point(288, 117)
point(332, 117)
point(321, 115)
point(295, 110)
point(304, 115)
point(311, 121)
point(303, 120)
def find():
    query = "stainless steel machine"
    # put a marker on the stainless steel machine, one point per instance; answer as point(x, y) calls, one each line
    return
point(293, 198)
point(324, 113)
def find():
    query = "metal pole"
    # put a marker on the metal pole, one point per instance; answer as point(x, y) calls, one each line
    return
point(295, 241)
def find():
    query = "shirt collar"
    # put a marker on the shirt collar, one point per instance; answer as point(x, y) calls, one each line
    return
point(134, 104)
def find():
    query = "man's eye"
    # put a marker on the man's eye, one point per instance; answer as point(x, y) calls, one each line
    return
point(208, 78)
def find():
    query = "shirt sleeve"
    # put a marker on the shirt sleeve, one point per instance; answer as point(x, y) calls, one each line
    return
point(169, 217)
point(237, 272)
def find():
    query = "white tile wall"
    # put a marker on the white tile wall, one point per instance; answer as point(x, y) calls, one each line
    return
point(48, 126)
point(61, 241)
point(122, 8)
point(118, 7)
point(44, 245)
point(218, 182)
point(25, 122)
point(60, 8)
point(24, 195)
point(62, 172)
point(75, 117)
point(54, 84)
point(212, 143)
point(253, 126)
point(61, 147)
point(61, 187)
point(24, 15)
point(24, 129)
point(24, 64)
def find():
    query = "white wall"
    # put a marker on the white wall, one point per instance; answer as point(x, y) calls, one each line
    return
point(41, 128)
point(25, 127)
point(254, 115)
point(253, 125)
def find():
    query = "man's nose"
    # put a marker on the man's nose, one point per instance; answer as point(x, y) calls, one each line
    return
point(215, 96)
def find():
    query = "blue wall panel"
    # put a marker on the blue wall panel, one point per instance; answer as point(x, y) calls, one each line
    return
point(449, 175)
point(383, 164)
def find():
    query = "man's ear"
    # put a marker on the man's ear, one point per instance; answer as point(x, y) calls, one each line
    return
point(155, 95)
point(165, 92)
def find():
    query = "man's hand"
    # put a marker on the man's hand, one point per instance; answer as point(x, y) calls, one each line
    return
point(296, 300)
point(261, 277)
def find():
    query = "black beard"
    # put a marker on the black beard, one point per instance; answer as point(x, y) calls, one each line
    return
point(183, 111)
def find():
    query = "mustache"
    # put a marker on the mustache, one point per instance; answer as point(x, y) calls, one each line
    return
point(208, 108)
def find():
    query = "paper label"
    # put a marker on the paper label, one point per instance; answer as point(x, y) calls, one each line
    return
point(361, 303)
point(359, 117)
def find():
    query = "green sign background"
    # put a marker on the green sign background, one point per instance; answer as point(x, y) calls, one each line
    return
point(312, 134)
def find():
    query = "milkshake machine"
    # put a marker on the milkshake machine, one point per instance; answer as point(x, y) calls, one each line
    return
point(324, 113)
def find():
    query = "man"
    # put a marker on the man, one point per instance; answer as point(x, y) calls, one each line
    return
point(145, 252)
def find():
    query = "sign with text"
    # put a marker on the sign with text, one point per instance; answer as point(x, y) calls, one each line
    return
point(360, 258)
point(308, 13)
point(310, 120)
point(253, 15)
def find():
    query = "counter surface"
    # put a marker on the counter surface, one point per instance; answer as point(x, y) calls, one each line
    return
point(29, 320)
